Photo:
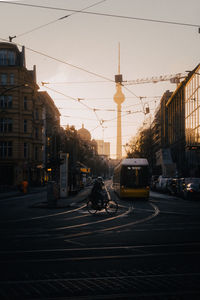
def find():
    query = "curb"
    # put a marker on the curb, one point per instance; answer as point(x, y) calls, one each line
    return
point(58, 205)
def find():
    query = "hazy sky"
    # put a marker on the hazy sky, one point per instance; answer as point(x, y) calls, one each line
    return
point(89, 42)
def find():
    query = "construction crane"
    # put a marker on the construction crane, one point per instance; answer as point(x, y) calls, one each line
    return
point(175, 78)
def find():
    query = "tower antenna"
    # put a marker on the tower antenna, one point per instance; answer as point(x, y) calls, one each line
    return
point(119, 58)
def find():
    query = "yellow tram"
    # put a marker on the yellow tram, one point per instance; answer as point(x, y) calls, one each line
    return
point(131, 178)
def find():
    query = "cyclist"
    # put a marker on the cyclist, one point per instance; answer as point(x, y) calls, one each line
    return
point(97, 195)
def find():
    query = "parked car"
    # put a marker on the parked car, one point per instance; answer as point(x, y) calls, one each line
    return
point(192, 191)
point(161, 184)
point(172, 186)
point(154, 180)
point(191, 188)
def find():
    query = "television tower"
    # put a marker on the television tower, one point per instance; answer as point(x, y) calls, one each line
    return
point(119, 99)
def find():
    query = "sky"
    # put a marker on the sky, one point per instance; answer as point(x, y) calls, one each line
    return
point(77, 52)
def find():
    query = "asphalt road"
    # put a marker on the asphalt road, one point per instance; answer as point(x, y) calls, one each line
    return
point(148, 250)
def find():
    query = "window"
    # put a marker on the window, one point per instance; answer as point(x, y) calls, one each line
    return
point(7, 58)
point(36, 133)
point(3, 57)
point(12, 79)
point(36, 114)
point(25, 126)
point(36, 153)
point(5, 101)
point(3, 79)
point(25, 150)
point(25, 103)
point(6, 125)
point(11, 58)
point(5, 149)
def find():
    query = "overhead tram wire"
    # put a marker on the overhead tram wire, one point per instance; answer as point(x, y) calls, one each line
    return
point(110, 120)
point(70, 97)
point(61, 61)
point(103, 14)
point(56, 20)
point(78, 100)
point(76, 82)
point(135, 96)
point(94, 109)
point(92, 73)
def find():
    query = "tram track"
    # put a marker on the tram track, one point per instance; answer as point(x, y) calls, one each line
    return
point(100, 253)
point(51, 233)
point(43, 216)
point(114, 285)
point(121, 268)
point(143, 279)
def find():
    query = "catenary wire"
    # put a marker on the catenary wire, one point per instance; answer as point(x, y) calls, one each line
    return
point(61, 61)
point(94, 109)
point(103, 14)
point(59, 19)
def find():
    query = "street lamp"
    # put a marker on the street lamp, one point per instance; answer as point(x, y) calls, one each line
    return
point(12, 88)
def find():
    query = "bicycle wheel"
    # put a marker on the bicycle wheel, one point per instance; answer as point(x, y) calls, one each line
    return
point(112, 207)
point(92, 209)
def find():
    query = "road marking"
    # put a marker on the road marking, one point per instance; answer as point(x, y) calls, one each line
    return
point(102, 248)
point(45, 216)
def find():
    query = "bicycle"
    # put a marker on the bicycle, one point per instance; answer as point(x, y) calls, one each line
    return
point(102, 201)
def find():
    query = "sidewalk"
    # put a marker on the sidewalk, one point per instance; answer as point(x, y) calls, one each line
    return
point(67, 202)
point(60, 203)
point(16, 192)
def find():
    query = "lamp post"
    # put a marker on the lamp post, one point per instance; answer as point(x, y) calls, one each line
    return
point(13, 87)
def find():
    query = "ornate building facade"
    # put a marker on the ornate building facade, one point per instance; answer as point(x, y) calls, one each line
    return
point(28, 119)
point(20, 118)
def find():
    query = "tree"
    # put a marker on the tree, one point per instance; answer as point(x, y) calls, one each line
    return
point(141, 145)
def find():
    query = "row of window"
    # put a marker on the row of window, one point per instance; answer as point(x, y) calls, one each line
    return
point(175, 121)
point(192, 111)
point(193, 120)
point(192, 102)
point(6, 101)
point(193, 136)
point(7, 79)
point(6, 125)
point(7, 57)
point(192, 86)
point(6, 150)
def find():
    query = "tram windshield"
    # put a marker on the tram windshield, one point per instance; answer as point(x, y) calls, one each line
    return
point(134, 176)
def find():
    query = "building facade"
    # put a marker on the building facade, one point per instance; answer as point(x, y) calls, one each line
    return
point(20, 119)
point(162, 162)
point(192, 122)
point(184, 125)
point(51, 137)
point(103, 148)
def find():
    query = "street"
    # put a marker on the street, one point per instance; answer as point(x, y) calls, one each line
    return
point(148, 250)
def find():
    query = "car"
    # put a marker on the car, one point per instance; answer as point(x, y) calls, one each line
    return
point(192, 191)
point(161, 184)
point(154, 180)
point(172, 185)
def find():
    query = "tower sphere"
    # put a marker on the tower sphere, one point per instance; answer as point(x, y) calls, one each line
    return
point(119, 96)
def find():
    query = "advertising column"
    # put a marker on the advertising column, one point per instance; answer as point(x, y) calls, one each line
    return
point(64, 175)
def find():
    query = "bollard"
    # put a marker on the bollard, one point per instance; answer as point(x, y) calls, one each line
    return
point(52, 196)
